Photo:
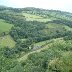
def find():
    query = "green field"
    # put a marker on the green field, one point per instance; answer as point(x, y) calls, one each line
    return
point(51, 28)
point(62, 26)
point(31, 17)
point(4, 27)
point(7, 41)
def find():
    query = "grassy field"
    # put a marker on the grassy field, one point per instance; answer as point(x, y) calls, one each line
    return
point(62, 26)
point(31, 17)
point(7, 41)
point(4, 27)
point(52, 28)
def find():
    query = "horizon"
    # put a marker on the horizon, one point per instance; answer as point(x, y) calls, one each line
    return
point(35, 8)
point(62, 5)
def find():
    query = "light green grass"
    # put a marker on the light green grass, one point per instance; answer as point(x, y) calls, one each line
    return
point(51, 28)
point(61, 26)
point(31, 17)
point(7, 41)
point(4, 27)
point(53, 25)
point(68, 28)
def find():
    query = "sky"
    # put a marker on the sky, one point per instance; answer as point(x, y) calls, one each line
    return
point(63, 5)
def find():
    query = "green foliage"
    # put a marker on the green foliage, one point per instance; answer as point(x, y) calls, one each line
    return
point(6, 63)
point(61, 65)
point(48, 56)
point(17, 68)
point(55, 58)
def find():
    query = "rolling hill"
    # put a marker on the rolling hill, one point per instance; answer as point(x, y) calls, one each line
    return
point(35, 40)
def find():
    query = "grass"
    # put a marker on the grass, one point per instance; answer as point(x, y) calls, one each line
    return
point(4, 27)
point(52, 28)
point(7, 41)
point(68, 28)
point(31, 17)
point(53, 25)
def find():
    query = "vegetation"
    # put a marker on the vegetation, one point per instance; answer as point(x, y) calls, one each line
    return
point(35, 40)
point(4, 27)
point(31, 17)
point(7, 41)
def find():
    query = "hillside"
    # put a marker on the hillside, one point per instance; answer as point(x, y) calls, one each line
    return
point(5, 39)
point(4, 27)
point(35, 40)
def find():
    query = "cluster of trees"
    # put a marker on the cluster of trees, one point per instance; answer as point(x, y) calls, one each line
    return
point(45, 13)
point(52, 59)
point(26, 29)
point(21, 46)
point(35, 31)
point(12, 17)
point(30, 30)
point(49, 13)
point(62, 21)
point(8, 63)
point(68, 36)
point(58, 58)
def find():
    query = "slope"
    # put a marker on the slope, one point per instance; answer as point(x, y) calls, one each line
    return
point(7, 41)
point(5, 27)
point(41, 45)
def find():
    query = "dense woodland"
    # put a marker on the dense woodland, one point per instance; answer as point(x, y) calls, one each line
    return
point(56, 57)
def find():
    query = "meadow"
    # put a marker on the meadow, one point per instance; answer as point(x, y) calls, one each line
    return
point(7, 41)
point(5, 27)
point(31, 17)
